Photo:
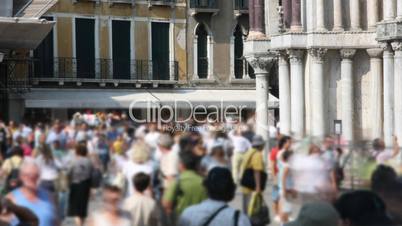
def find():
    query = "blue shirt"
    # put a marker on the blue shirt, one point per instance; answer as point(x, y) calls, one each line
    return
point(43, 207)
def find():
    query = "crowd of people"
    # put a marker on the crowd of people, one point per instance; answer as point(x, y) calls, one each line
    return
point(149, 175)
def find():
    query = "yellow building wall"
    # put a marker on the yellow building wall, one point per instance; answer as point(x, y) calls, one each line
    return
point(180, 50)
point(104, 39)
point(141, 40)
point(64, 37)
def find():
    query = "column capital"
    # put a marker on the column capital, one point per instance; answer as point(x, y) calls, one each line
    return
point(282, 57)
point(347, 53)
point(318, 54)
point(295, 55)
point(397, 46)
point(386, 47)
point(262, 62)
point(375, 53)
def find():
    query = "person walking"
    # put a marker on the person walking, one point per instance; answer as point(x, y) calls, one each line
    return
point(143, 209)
point(80, 184)
point(240, 146)
point(215, 211)
point(187, 190)
point(111, 214)
point(32, 197)
point(253, 160)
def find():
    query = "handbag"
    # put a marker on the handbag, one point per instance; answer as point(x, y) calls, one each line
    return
point(258, 211)
point(248, 181)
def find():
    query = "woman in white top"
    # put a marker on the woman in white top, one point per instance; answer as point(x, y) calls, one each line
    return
point(49, 168)
point(111, 214)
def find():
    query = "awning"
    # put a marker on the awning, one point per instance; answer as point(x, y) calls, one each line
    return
point(23, 33)
point(141, 98)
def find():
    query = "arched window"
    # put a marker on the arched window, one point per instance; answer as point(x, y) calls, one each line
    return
point(202, 51)
point(238, 53)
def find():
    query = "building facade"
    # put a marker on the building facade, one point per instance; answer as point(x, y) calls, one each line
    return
point(104, 54)
point(338, 60)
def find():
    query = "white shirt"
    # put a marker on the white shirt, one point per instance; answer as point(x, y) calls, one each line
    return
point(197, 215)
point(240, 143)
point(49, 171)
point(130, 169)
point(143, 210)
point(152, 139)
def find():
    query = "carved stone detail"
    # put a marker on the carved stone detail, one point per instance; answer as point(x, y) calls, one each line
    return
point(386, 47)
point(262, 62)
point(295, 56)
point(282, 57)
point(318, 54)
point(375, 53)
point(397, 46)
point(347, 53)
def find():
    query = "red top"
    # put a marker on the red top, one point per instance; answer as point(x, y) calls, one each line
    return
point(272, 158)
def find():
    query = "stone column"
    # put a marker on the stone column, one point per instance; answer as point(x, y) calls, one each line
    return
point(372, 12)
point(397, 46)
point(389, 7)
point(376, 92)
point(262, 63)
point(347, 93)
point(256, 18)
point(287, 12)
point(355, 15)
point(320, 15)
point(297, 93)
point(338, 15)
point(318, 129)
point(296, 16)
point(284, 94)
point(388, 88)
point(399, 10)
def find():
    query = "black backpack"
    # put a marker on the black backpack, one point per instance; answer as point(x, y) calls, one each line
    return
point(13, 179)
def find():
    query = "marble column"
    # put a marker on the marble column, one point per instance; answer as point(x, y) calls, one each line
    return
point(376, 92)
point(347, 93)
point(355, 15)
point(284, 94)
point(318, 127)
point(389, 7)
point(338, 26)
point(256, 19)
point(372, 12)
point(320, 17)
point(262, 63)
point(399, 10)
point(296, 16)
point(388, 88)
point(287, 12)
point(397, 46)
point(297, 93)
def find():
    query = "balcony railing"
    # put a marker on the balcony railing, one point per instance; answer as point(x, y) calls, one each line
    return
point(16, 75)
point(104, 70)
point(203, 6)
point(240, 7)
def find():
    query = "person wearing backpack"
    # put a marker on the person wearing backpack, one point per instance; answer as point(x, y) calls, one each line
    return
point(215, 210)
point(10, 169)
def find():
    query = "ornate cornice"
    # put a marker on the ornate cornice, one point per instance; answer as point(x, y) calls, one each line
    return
point(262, 62)
point(397, 46)
point(295, 56)
point(318, 54)
point(347, 53)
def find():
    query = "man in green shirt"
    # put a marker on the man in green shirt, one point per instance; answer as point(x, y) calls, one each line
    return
point(188, 189)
